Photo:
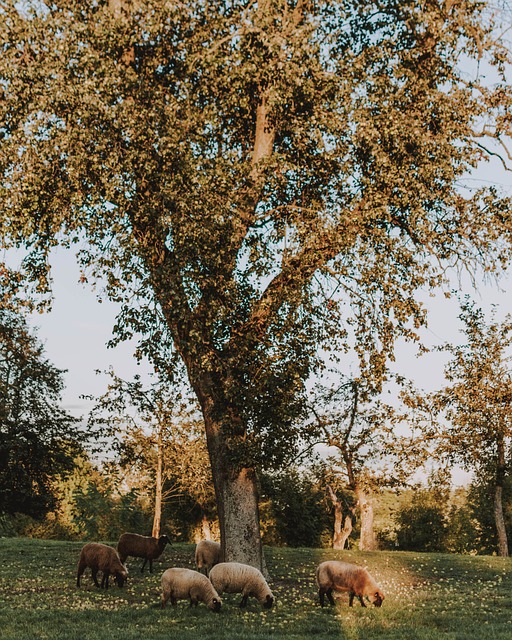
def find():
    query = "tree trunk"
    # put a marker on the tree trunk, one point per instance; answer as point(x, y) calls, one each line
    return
point(158, 487)
point(367, 539)
point(236, 490)
point(498, 501)
point(205, 528)
point(240, 522)
point(342, 526)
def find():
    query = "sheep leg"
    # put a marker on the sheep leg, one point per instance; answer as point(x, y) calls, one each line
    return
point(150, 565)
point(166, 594)
point(95, 577)
point(329, 596)
point(143, 565)
point(351, 600)
point(80, 570)
point(243, 603)
point(104, 580)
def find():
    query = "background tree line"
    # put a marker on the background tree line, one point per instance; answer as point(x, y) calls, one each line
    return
point(157, 473)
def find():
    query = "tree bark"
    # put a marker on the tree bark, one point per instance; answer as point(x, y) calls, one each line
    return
point(158, 487)
point(498, 501)
point(367, 538)
point(236, 491)
point(342, 525)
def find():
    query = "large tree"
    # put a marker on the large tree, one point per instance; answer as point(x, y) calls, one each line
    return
point(39, 440)
point(254, 181)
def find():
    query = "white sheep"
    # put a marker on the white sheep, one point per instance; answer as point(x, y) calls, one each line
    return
point(147, 547)
point(100, 557)
point(207, 555)
point(178, 583)
point(235, 577)
point(343, 576)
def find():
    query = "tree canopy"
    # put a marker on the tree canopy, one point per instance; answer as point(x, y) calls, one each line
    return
point(255, 183)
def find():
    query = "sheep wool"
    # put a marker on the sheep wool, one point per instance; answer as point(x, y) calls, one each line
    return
point(101, 557)
point(235, 577)
point(178, 583)
point(207, 555)
point(343, 576)
point(137, 546)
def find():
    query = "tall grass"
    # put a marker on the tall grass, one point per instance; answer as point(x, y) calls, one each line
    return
point(428, 597)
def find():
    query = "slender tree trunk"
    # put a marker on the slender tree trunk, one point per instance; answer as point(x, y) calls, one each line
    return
point(205, 528)
point(342, 525)
point(158, 486)
point(367, 539)
point(498, 501)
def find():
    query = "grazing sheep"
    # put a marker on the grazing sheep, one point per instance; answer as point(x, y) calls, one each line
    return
point(178, 583)
point(131, 544)
point(235, 577)
point(343, 576)
point(207, 555)
point(100, 557)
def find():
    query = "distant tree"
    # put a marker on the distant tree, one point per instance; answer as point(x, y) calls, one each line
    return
point(155, 431)
point(296, 514)
point(102, 507)
point(344, 515)
point(422, 522)
point(480, 509)
point(463, 531)
point(39, 441)
point(254, 181)
point(469, 421)
point(351, 418)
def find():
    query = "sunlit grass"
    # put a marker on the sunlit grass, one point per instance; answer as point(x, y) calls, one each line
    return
point(428, 597)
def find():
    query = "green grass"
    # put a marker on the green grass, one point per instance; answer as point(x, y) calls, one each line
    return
point(428, 596)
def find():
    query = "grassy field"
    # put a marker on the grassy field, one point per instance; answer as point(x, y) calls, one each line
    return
point(428, 596)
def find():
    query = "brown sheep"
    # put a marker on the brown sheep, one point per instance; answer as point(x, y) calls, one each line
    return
point(132, 544)
point(343, 576)
point(100, 557)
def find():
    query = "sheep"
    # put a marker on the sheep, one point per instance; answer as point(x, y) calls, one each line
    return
point(207, 555)
point(132, 544)
point(186, 583)
point(235, 577)
point(343, 576)
point(100, 557)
